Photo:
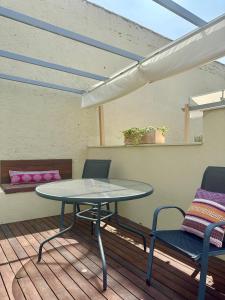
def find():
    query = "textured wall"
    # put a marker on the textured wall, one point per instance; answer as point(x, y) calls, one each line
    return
point(38, 123)
point(160, 103)
point(81, 17)
point(175, 171)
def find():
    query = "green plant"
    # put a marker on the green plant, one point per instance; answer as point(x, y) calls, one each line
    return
point(133, 134)
point(163, 130)
point(198, 139)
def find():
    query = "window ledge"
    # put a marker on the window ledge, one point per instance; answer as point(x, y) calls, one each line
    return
point(147, 145)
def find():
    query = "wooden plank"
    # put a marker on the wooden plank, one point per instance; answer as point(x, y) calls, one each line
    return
point(19, 285)
point(50, 268)
point(57, 279)
point(36, 277)
point(117, 243)
point(163, 272)
point(76, 270)
point(131, 260)
point(19, 188)
point(181, 269)
point(8, 271)
point(151, 291)
point(3, 291)
point(73, 261)
point(114, 270)
point(101, 125)
point(96, 270)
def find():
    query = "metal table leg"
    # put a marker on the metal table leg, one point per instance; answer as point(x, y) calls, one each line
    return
point(129, 228)
point(59, 233)
point(61, 224)
point(101, 249)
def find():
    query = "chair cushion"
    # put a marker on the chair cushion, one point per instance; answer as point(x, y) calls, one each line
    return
point(206, 208)
point(27, 177)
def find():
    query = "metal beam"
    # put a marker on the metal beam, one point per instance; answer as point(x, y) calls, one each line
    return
point(41, 83)
point(22, 18)
point(181, 12)
point(45, 64)
point(207, 106)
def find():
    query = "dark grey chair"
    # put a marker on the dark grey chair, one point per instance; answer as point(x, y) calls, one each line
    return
point(196, 248)
point(93, 168)
point(96, 168)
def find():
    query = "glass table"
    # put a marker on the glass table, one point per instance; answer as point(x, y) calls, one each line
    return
point(96, 192)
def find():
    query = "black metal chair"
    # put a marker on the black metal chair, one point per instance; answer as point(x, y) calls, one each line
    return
point(96, 168)
point(188, 244)
point(93, 168)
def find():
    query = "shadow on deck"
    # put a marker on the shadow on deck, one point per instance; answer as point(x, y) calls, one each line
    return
point(71, 267)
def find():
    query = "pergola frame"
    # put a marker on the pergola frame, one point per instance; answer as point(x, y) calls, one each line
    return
point(45, 64)
point(22, 18)
point(25, 19)
point(181, 12)
point(33, 22)
point(41, 83)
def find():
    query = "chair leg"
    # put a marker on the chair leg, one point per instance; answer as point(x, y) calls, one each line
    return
point(150, 261)
point(61, 224)
point(78, 207)
point(92, 228)
point(75, 209)
point(108, 208)
point(203, 274)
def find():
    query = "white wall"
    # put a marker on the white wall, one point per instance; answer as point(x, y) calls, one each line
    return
point(38, 123)
point(81, 17)
point(161, 103)
point(175, 171)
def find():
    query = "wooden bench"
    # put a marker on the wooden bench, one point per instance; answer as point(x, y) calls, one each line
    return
point(63, 165)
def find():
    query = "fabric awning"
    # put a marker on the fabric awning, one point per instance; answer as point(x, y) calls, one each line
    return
point(192, 50)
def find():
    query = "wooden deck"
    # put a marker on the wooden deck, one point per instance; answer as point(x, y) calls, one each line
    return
point(71, 267)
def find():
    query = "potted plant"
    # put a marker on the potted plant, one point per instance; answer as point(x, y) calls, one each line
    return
point(198, 139)
point(154, 135)
point(146, 135)
point(133, 136)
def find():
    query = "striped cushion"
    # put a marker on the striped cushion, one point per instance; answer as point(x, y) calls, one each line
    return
point(207, 208)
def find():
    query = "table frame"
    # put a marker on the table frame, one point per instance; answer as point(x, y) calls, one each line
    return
point(97, 221)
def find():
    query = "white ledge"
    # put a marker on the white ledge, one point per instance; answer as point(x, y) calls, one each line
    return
point(147, 145)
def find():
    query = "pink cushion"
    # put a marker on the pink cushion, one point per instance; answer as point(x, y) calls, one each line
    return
point(21, 177)
point(206, 208)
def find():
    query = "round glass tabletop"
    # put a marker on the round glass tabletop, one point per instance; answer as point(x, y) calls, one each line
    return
point(94, 190)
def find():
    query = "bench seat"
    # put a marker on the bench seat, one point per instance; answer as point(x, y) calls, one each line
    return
point(63, 165)
point(18, 188)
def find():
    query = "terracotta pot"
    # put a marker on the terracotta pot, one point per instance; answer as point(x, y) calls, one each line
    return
point(128, 141)
point(154, 137)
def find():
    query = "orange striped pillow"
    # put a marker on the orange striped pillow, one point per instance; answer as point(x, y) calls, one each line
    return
point(206, 208)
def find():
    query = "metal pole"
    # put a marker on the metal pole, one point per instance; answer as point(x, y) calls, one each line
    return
point(41, 83)
point(45, 64)
point(22, 18)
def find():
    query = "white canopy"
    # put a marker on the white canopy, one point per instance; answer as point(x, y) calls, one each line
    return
point(194, 49)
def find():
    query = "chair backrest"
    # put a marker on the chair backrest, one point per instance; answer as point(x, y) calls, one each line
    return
point(96, 168)
point(214, 179)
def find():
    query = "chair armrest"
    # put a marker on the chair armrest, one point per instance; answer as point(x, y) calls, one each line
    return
point(207, 234)
point(158, 210)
